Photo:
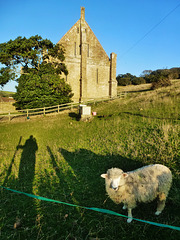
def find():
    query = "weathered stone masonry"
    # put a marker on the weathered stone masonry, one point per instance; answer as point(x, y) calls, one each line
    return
point(91, 73)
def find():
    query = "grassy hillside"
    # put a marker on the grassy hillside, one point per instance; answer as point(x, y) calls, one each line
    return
point(61, 158)
point(6, 94)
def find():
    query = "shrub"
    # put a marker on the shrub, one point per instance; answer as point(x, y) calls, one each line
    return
point(138, 81)
point(161, 82)
point(124, 82)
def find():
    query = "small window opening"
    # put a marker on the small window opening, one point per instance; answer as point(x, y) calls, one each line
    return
point(75, 49)
point(97, 77)
point(88, 50)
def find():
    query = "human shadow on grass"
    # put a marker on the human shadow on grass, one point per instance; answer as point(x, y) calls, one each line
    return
point(19, 210)
point(11, 164)
point(27, 164)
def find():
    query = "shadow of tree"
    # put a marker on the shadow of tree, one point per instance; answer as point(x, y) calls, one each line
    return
point(139, 91)
point(78, 174)
point(145, 116)
point(77, 180)
point(88, 166)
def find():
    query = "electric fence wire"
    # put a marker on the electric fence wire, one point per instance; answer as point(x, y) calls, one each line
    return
point(146, 34)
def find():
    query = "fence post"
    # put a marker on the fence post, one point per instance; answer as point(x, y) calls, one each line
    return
point(9, 116)
point(27, 113)
point(58, 108)
point(44, 111)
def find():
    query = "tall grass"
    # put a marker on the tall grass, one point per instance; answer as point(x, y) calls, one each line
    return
point(62, 158)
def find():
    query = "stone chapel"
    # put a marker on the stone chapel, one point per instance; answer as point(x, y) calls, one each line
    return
point(92, 74)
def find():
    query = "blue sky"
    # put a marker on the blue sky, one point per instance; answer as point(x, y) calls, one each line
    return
point(145, 34)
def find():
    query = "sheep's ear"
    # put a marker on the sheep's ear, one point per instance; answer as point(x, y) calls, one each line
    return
point(125, 175)
point(104, 175)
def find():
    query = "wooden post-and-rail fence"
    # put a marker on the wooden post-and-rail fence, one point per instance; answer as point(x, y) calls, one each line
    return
point(53, 109)
point(37, 111)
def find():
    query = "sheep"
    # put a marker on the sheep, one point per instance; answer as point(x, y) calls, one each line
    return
point(141, 185)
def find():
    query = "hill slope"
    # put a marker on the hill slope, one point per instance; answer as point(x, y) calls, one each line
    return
point(61, 158)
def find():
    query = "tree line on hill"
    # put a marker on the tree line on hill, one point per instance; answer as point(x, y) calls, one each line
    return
point(158, 78)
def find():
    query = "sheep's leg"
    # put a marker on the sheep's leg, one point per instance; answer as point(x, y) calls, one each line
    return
point(124, 207)
point(161, 203)
point(129, 215)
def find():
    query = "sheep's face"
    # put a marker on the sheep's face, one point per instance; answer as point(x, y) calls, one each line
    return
point(114, 178)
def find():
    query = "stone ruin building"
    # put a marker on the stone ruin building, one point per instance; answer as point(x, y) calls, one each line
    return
point(92, 74)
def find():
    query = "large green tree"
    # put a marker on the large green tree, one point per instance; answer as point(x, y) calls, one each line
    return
point(23, 53)
point(42, 88)
point(35, 63)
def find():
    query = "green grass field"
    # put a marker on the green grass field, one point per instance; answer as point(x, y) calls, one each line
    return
point(61, 158)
